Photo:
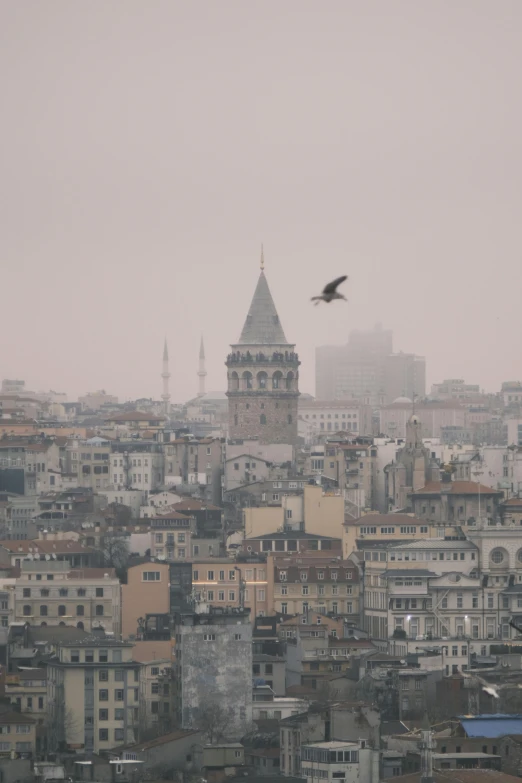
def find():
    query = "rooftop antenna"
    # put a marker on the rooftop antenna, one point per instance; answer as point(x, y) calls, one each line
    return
point(262, 259)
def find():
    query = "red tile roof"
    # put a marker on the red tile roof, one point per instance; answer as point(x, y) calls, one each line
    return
point(457, 488)
point(135, 416)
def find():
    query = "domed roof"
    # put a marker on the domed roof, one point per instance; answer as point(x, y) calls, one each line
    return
point(402, 399)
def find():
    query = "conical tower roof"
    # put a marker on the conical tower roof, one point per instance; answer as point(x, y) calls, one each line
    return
point(262, 325)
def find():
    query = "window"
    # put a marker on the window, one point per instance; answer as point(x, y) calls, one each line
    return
point(119, 735)
point(118, 694)
point(27, 611)
point(210, 576)
point(99, 592)
point(148, 576)
point(103, 675)
point(103, 694)
point(119, 713)
point(103, 714)
point(75, 656)
point(103, 735)
point(99, 610)
point(62, 611)
point(119, 675)
point(81, 592)
point(209, 637)
point(231, 595)
point(43, 610)
point(26, 592)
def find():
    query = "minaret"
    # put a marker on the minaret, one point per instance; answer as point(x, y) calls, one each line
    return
point(166, 375)
point(201, 372)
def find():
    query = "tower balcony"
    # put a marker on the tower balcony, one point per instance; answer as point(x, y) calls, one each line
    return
point(278, 358)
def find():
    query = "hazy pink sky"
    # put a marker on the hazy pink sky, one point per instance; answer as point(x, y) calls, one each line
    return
point(150, 146)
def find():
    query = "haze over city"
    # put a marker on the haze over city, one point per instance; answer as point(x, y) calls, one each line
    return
point(150, 148)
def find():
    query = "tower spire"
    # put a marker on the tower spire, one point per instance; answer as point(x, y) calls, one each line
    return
point(262, 259)
point(201, 372)
point(166, 375)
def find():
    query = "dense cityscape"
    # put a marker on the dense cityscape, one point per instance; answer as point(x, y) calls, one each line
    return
point(261, 583)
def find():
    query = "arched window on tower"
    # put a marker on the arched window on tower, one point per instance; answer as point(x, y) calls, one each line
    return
point(290, 381)
point(247, 380)
point(235, 419)
point(262, 419)
point(234, 381)
point(277, 380)
point(262, 379)
point(289, 418)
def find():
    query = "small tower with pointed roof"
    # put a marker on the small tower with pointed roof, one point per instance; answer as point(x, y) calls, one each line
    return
point(263, 375)
point(202, 373)
point(166, 375)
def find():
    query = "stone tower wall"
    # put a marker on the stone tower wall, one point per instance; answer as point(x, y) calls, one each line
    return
point(262, 396)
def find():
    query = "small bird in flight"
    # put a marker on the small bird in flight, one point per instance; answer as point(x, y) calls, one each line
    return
point(489, 688)
point(330, 292)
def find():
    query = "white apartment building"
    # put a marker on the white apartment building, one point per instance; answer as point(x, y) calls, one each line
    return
point(141, 470)
point(337, 760)
point(321, 417)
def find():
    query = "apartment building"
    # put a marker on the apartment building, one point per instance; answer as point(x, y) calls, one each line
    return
point(213, 668)
point(89, 460)
point(320, 584)
point(27, 689)
point(329, 416)
point(67, 550)
point(353, 467)
point(147, 592)
point(456, 502)
point(171, 535)
point(334, 760)
point(293, 541)
point(223, 582)
point(386, 529)
point(18, 734)
point(93, 695)
point(137, 466)
point(155, 707)
point(51, 593)
point(190, 461)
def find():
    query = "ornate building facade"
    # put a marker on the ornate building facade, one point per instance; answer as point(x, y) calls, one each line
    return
point(263, 375)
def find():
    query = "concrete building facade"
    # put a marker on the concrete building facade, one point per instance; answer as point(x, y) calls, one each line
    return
point(213, 670)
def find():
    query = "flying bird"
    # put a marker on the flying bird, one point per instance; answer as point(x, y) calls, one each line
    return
point(330, 291)
point(489, 688)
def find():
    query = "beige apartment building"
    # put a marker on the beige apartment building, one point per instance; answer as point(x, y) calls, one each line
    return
point(55, 594)
point(311, 509)
point(313, 583)
point(223, 582)
point(27, 690)
point(93, 696)
point(155, 694)
point(147, 592)
point(51, 593)
point(18, 734)
point(385, 529)
point(171, 535)
point(353, 466)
